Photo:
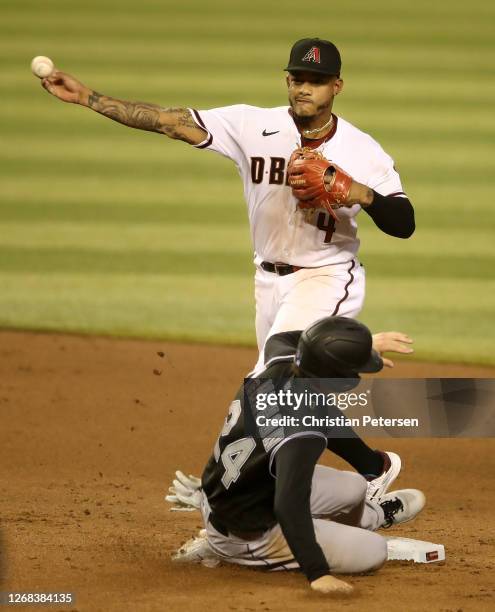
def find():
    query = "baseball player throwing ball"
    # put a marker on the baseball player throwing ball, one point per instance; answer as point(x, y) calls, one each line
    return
point(267, 503)
point(306, 172)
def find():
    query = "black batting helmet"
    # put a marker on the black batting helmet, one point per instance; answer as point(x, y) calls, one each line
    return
point(336, 347)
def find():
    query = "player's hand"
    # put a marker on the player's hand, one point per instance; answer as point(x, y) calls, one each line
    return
point(329, 584)
point(396, 342)
point(66, 88)
point(185, 492)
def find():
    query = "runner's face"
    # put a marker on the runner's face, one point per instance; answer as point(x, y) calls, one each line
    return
point(311, 94)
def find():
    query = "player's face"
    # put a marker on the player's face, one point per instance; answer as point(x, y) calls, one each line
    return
point(312, 94)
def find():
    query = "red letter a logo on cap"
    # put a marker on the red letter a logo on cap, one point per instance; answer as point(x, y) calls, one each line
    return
point(313, 55)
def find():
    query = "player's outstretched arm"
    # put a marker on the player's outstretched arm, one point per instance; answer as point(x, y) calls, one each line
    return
point(176, 123)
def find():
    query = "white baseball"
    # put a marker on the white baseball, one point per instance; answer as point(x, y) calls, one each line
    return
point(42, 66)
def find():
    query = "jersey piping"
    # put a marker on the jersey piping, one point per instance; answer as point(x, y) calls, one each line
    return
point(209, 137)
point(346, 289)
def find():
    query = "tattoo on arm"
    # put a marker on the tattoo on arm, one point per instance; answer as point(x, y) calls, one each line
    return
point(368, 198)
point(185, 118)
point(174, 122)
point(183, 121)
point(133, 114)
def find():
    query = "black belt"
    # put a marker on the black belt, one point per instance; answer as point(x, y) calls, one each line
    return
point(282, 269)
point(243, 535)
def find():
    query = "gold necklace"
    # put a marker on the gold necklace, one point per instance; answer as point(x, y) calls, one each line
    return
point(320, 129)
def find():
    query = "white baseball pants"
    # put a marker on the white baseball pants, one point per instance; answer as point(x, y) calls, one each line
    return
point(294, 301)
point(344, 523)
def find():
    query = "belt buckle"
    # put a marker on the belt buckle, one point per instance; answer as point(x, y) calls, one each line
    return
point(280, 266)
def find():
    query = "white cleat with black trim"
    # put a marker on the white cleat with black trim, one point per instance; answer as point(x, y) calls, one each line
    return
point(379, 486)
point(401, 506)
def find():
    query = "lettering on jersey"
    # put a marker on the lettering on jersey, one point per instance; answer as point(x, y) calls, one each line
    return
point(313, 55)
point(326, 223)
point(277, 171)
point(234, 457)
point(257, 169)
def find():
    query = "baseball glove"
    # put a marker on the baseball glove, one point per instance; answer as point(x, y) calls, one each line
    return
point(306, 175)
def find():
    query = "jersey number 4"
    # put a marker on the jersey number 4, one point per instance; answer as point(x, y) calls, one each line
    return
point(235, 454)
point(326, 223)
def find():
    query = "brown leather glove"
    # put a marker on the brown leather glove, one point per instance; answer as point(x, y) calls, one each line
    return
point(306, 174)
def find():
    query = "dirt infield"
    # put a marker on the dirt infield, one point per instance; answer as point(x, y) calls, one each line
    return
point(92, 432)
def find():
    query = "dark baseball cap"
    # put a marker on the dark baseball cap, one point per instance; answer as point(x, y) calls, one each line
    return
point(315, 55)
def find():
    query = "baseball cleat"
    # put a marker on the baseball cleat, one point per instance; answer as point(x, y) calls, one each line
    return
point(401, 506)
point(378, 486)
point(197, 550)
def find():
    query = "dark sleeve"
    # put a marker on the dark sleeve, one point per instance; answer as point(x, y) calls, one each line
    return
point(393, 215)
point(295, 463)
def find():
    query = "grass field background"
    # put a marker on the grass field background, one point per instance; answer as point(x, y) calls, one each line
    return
point(109, 230)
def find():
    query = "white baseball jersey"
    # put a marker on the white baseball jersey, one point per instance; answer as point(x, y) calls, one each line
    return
point(260, 142)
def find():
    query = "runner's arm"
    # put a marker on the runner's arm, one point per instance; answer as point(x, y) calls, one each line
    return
point(295, 463)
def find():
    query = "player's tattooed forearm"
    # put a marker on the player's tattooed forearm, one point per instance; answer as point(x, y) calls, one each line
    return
point(174, 122)
point(134, 114)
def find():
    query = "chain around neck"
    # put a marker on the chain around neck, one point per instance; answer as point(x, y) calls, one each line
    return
point(320, 129)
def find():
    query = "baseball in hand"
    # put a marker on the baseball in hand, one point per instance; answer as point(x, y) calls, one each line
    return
point(42, 66)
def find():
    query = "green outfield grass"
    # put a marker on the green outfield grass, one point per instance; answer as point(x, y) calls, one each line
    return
point(109, 230)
